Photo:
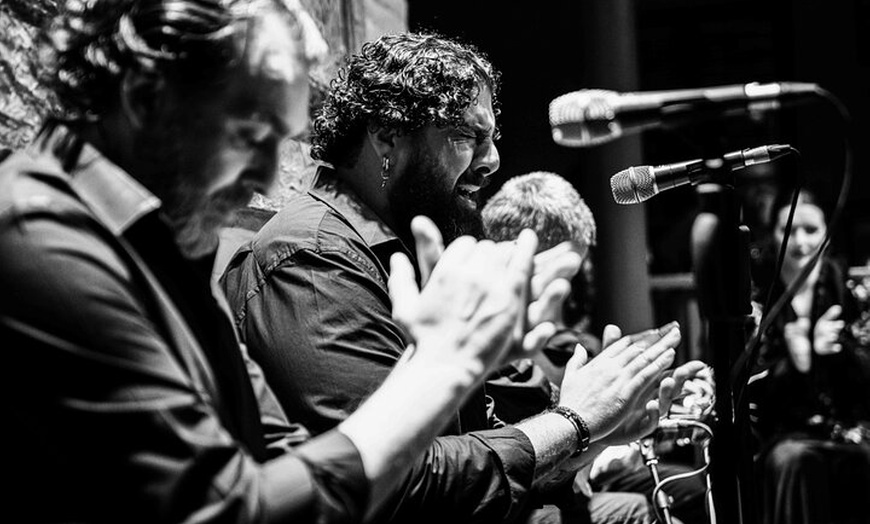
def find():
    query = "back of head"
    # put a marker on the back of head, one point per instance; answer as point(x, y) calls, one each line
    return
point(403, 81)
point(543, 202)
point(195, 44)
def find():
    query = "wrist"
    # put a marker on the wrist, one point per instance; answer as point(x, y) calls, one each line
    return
point(439, 366)
point(581, 428)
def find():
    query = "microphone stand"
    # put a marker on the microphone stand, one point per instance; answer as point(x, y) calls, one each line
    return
point(720, 249)
point(651, 460)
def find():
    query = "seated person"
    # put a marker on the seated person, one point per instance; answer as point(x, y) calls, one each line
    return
point(812, 386)
point(549, 205)
point(129, 398)
point(408, 128)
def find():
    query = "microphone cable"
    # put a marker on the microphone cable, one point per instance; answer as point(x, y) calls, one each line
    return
point(688, 474)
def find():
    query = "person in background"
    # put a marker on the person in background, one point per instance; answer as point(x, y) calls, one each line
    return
point(550, 206)
point(129, 398)
point(408, 128)
point(812, 386)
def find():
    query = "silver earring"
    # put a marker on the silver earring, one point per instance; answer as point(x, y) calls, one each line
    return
point(385, 171)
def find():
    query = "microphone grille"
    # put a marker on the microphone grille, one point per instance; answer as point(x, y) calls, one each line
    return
point(582, 106)
point(633, 185)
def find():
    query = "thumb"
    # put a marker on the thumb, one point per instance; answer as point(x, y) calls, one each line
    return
point(611, 334)
point(580, 357)
point(402, 289)
point(429, 245)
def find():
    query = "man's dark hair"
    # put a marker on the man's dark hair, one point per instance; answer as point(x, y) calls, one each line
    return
point(404, 82)
point(194, 43)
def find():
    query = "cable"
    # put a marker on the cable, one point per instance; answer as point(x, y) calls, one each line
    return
point(688, 474)
point(673, 478)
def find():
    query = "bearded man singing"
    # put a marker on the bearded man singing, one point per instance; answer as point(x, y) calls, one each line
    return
point(407, 129)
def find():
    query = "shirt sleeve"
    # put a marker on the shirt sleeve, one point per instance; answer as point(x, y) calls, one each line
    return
point(108, 425)
point(321, 328)
point(483, 476)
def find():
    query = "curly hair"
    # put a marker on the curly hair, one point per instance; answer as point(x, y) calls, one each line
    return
point(404, 82)
point(543, 202)
point(91, 43)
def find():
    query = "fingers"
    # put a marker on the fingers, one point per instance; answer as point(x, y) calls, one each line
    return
point(653, 410)
point(827, 332)
point(651, 336)
point(832, 313)
point(403, 290)
point(561, 261)
point(522, 259)
point(668, 389)
point(639, 354)
point(689, 370)
point(456, 254)
point(548, 307)
point(652, 363)
point(429, 245)
point(534, 340)
point(545, 257)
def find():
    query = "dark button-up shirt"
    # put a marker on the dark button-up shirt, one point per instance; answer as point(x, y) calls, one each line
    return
point(309, 296)
point(127, 398)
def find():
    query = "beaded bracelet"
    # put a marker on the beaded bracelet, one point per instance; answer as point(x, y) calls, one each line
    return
point(580, 427)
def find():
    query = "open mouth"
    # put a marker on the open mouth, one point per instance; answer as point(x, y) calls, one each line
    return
point(470, 190)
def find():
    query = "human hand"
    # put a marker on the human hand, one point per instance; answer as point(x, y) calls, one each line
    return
point(797, 341)
point(473, 307)
point(613, 461)
point(550, 284)
point(673, 386)
point(616, 392)
point(698, 393)
point(826, 334)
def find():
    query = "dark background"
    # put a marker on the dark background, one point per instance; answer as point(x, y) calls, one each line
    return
point(545, 49)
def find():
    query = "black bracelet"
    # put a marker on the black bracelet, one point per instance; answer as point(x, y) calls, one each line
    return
point(580, 427)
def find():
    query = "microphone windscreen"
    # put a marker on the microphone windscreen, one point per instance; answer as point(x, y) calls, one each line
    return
point(584, 118)
point(633, 185)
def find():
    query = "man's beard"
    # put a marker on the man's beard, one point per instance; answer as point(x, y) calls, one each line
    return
point(421, 191)
point(194, 217)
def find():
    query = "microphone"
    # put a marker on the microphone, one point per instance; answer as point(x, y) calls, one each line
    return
point(594, 116)
point(640, 183)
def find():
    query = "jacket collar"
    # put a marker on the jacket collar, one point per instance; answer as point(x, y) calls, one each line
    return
point(115, 197)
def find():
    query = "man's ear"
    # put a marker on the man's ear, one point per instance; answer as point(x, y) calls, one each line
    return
point(382, 140)
point(143, 95)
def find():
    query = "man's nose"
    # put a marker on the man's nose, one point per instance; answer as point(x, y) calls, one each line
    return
point(264, 167)
point(487, 160)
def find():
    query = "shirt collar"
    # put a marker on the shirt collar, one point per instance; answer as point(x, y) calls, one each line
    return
point(116, 198)
point(370, 227)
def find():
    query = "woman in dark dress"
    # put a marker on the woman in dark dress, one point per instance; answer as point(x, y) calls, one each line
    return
point(813, 388)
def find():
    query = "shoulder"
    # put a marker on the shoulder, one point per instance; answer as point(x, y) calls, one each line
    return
point(35, 185)
point(306, 224)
